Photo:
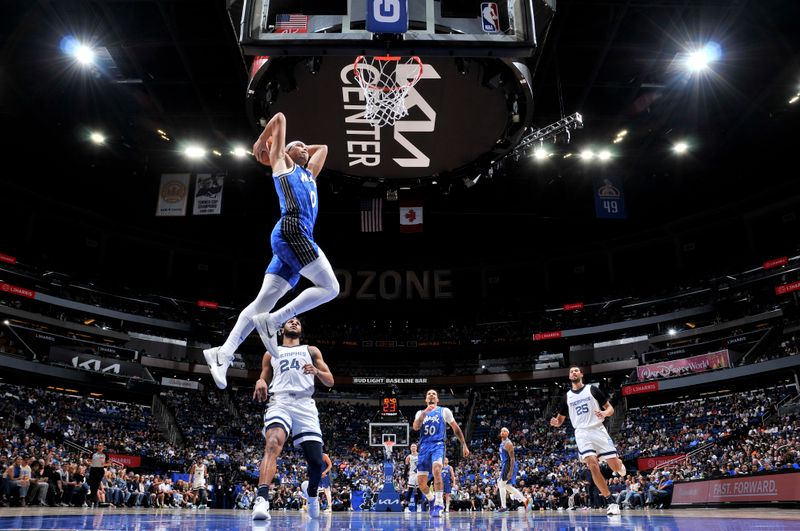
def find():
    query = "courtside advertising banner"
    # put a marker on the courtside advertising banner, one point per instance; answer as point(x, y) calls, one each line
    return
point(762, 488)
point(649, 463)
point(129, 461)
point(681, 367)
point(172, 194)
point(208, 194)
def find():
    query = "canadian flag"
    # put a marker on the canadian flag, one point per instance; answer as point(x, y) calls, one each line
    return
point(410, 216)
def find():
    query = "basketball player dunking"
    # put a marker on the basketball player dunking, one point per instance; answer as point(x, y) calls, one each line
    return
point(295, 167)
point(587, 407)
point(291, 410)
point(433, 421)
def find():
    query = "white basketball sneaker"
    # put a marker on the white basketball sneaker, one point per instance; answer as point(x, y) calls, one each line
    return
point(218, 363)
point(261, 509)
point(622, 473)
point(268, 330)
point(613, 509)
point(313, 507)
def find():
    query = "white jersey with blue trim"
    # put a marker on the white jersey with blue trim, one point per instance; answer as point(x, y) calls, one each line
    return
point(297, 193)
point(287, 371)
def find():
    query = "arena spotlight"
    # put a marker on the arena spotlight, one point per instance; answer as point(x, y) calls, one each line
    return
point(6, 322)
point(540, 153)
point(672, 331)
point(604, 155)
point(587, 155)
point(699, 60)
point(680, 148)
point(239, 152)
point(195, 152)
point(84, 54)
point(794, 99)
point(97, 138)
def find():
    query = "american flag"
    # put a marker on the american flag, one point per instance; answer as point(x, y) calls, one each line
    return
point(372, 215)
point(291, 24)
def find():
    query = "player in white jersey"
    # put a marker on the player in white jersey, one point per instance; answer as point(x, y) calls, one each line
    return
point(198, 475)
point(291, 409)
point(413, 484)
point(295, 168)
point(587, 407)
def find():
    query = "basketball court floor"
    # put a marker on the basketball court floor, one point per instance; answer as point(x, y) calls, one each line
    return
point(229, 520)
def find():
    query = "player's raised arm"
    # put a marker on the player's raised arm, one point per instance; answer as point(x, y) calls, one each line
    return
point(270, 148)
point(457, 430)
point(317, 155)
point(319, 368)
point(260, 392)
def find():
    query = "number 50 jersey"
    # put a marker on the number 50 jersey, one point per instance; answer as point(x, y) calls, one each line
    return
point(287, 371)
point(581, 406)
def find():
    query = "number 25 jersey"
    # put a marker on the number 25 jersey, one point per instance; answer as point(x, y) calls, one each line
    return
point(581, 406)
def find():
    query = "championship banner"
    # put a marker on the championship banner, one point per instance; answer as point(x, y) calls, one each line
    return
point(682, 367)
point(130, 461)
point(761, 488)
point(649, 463)
point(172, 194)
point(208, 194)
point(609, 199)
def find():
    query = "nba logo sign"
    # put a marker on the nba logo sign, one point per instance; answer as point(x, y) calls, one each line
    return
point(490, 17)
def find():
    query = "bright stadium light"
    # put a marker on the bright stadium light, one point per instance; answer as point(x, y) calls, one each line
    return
point(604, 155)
point(680, 148)
point(195, 152)
point(587, 154)
point(699, 60)
point(84, 54)
point(97, 138)
point(794, 98)
point(239, 152)
point(540, 153)
point(672, 331)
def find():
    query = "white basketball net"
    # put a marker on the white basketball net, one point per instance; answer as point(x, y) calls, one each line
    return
point(385, 81)
point(387, 448)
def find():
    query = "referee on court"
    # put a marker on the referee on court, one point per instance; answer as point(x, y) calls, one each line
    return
point(97, 470)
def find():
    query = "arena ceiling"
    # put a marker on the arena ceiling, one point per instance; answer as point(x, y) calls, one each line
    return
point(175, 66)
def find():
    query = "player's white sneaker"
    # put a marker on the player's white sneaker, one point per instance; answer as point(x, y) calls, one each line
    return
point(261, 509)
point(613, 509)
point(268, 330)
point(622, 473)
point(313, 507)
point(218, 363)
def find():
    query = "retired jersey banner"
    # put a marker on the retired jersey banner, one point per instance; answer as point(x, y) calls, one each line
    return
point(685, 366)
point(208, 194)
point(172, 194)
point(609, 199)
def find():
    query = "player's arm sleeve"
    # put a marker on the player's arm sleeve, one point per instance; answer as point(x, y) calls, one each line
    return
point(563, 407)
point(599, 395)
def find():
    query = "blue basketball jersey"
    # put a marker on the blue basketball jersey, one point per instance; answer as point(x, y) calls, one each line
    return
point(297, 193)
point(504, 457)
point(433, 427)
point(446, 475)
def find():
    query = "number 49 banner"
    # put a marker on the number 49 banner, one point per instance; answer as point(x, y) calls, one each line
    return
point(609, 199)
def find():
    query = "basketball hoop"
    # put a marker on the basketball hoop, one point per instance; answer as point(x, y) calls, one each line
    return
point(387, 448)
point(385, 81)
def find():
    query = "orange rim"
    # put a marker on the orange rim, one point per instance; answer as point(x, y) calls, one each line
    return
point(395, 58)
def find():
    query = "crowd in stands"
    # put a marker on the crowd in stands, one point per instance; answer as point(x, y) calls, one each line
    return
point(38, 465)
